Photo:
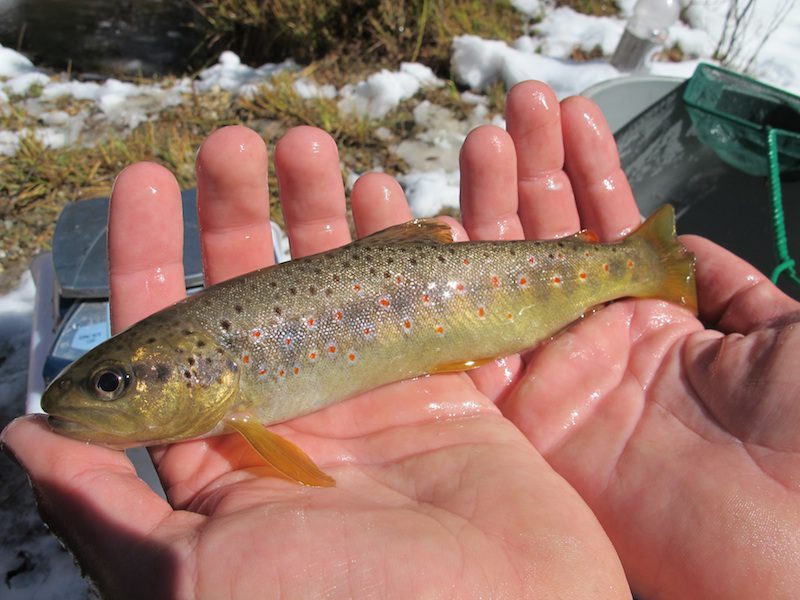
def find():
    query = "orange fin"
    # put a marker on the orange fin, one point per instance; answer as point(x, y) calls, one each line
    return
point(283, 455)
point(417, 230)
point(462, 365)
point(679, 284)
point(584, 235)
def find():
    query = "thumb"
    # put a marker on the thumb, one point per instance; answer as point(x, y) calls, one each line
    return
point(93, 501)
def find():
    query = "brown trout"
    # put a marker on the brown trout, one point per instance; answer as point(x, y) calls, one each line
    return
point(293, 338)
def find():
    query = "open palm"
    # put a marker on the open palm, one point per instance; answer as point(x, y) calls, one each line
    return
point(682, 440)
point(438, 494)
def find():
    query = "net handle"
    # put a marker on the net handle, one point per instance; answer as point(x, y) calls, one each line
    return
point(786, 262)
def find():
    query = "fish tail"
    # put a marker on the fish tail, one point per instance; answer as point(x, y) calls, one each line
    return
point(678, 285)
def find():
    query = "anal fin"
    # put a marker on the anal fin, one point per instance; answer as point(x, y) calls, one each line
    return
point(282, 454)
point(460, 365)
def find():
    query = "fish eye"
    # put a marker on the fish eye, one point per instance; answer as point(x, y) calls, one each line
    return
point(109, 383)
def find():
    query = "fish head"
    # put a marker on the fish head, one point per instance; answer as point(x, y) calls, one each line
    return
point(144, 387)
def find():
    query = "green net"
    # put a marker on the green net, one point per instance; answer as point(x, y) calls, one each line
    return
point(753, 127)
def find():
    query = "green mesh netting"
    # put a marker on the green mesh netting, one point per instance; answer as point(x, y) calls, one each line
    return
point(752, 127)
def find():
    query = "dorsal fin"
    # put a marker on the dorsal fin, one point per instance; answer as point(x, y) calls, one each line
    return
point(418, 230)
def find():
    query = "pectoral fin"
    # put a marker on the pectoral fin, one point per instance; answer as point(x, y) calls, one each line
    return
point(283, 455)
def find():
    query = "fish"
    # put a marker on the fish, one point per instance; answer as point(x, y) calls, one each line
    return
point(293, 338)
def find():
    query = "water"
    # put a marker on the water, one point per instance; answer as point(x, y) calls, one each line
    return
point(103, 37)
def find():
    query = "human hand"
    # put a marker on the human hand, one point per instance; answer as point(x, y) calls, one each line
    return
point(437, 493)
point(683, 440)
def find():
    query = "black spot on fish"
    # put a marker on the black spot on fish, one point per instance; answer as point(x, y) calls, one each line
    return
point(551, 256)
point(186, 332)
point(278, 311)
point(272, 284)
point(318, 271)
point(512, 252)
point(328, 292)
point(441, 258)
point(220, 351)
point(179, 349)
point(413, 261)
point(163, 371)
point(372, 271)
point(613, 248)
point(346, 264)
point(387, 274)
point(191, 360)
point(189, 385)
point(293, 291)
point(451, 250)
point(336, 278)
point(200, 343)
point(187, 374)
point(209, 360)
point(151, 340)
point(238, 308)
point(390, 260)
point(312, 290)
point(560, 244)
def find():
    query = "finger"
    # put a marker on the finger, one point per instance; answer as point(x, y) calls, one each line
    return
point(546, 203)
point(733, 295)
point(378, 202)
point(233, 204)
point(311, 191)
point(145, 244)
point(92, 499)
point(488, 185)
point(604, 197)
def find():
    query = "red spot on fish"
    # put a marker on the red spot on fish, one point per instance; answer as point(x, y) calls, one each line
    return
point(398, 279)
point(385, 302)
point(481, 312)
point(256, 333)
point(439, 330)
point(288, 341)
point(466, 261)
point(495, 281)
point(630, 264)
point(296, 370)
point(407, 325)
point(531, 260)
point(367, 330)
point(339, 315)
point(351, 356)
point(262, 372)
point(332, 349)
point(586, 253)
point(510, 316)
point(426, 299)
point(606, 268)
point(281, 373)
point(582, 276)
point(312, 356)
point(246, 359)
point(557, 280)
point(358, 289)
point(523, 281)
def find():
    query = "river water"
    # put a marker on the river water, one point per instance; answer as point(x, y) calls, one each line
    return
point(103, 37)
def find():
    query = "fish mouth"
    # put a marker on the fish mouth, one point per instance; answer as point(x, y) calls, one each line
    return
point(78, 429)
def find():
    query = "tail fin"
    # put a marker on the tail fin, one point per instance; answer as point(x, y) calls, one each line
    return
point(679, 282)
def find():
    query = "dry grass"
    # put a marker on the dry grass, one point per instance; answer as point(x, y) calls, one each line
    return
point(343, 41)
